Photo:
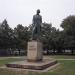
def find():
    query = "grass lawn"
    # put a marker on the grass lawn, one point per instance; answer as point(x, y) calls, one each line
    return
point(67, 67)
point(8, 60)
point(62, 56)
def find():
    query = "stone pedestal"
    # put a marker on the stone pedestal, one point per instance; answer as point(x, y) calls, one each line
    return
point(34, 53)
point(34, 60)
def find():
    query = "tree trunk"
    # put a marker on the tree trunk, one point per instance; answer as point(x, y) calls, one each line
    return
point(19, 51)
point(72, 51)
point(53, 51)
point(47, 52)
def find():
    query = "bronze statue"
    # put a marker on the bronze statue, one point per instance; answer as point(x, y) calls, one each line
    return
point(36, 26)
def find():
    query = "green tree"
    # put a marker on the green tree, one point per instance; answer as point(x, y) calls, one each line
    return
point(6, 36)
point(68, 25)
point(21, 37)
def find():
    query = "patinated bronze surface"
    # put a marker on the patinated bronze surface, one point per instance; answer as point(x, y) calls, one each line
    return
point(36, 25)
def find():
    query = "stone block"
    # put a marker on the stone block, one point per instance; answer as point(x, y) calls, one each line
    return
point(34, 52)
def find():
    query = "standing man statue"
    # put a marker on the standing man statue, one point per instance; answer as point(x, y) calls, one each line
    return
point(36, 26)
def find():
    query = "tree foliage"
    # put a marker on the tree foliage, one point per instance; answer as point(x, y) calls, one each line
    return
point(51, 38)
point(68, 25)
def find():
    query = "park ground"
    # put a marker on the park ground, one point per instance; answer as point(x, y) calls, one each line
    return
point(66, 67)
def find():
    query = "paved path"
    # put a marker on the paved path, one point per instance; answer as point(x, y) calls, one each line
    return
point(24, 57)
point(3, 58)
point(65, 59)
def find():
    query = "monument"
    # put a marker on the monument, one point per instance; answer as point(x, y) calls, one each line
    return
point(35, 59)
point(35, 46)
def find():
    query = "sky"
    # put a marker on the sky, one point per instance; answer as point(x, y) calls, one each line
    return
point(22, 11)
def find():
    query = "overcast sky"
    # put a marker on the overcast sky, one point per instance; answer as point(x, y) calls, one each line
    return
point(22, 11)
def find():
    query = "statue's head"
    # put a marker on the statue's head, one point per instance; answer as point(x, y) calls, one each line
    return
point(38, 11)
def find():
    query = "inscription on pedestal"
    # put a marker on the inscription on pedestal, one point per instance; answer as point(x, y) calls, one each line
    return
point(32, 47)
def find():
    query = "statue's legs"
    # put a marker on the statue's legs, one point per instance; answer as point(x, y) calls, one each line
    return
point(38, 32)
point(34, 32)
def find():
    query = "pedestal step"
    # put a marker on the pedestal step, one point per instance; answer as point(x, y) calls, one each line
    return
point(30, 65)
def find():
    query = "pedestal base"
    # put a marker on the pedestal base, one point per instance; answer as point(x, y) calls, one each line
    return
point(32, 65)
